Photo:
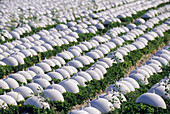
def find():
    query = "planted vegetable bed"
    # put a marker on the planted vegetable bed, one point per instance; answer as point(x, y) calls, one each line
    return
point(56, 56)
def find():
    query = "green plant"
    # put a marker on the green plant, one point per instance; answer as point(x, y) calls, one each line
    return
point(131, 107)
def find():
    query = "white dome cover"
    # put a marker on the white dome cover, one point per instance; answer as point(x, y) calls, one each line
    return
point(143, 40)
point(111, 45)
point(18, 58)
point(150, 68)
point(112, 98)
point(103, 50)
point(93, 55)
point(37, 48)
point(49, 62)
point(64, 55)
point(99, 52)
point(35, 87)
point(99, 26)
point(58, 87)
point(55, 75)
point(71, 24)
point(165, 56)
point(121, 87)
point(32, 73)
point(75, 47)
point(156, 67)
point(109, 61)
point(15, 35)
point(17, 96)
point(99, 39)
point(131, 26)
point(100, 67)
point(75, 63)
point(11, 83)
point(123, 52)
point(75, 52)
point(36, 69)
point(139, 77)
point(149, 71)
point(60, 59)
point(18, 77)
point(27, 53)
point(83, 47)
point(47, 46)
point(153, 61)
point(87, 44)
point(152, 99)
point(102, 105)
point(2, 63)
point(85, 75)
point(139, 21)
point(45, 76)
point(42, 82)
point(10, 61)
point(93, 74)
point(80, 80)
point(56, 62)
point(116, 41)
point(78, 112)
point(61, 27)
point(33, 52)
point(138, 45)
point(44, 66)
point(130, 47)
point(163, 51)
point(148, 37)
point(3, 84)
point(37, 102)
point(94, 42)
point(24, 91)
point(53, 95)
point(91, 110)
point(26, 74)
point(96, 70)
point(128, 84)
point(63, 72)
point(160, 90)
point(132, 81)
point(81, 31)
point(70, 86)
point(8, 99)
point(141, 71)
point(73, 68)
point(161, 60)
point(89, 58)
point(83, 60)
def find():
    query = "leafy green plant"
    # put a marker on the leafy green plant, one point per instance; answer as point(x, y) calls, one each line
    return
point(131, 107)
point(93, 87)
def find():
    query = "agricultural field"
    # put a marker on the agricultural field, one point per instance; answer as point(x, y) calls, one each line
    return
point(84, 56)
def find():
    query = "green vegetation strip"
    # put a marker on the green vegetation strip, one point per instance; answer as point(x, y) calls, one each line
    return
point(113, 73)
point(95, 86)
point(29, 61)
point(35, 30)
point(130, 107)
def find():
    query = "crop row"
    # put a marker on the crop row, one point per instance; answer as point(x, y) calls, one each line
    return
point(29, 61)
point(95, 86)
point(131, 89)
